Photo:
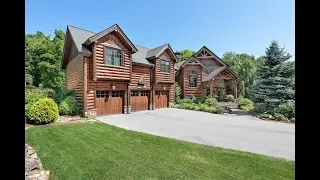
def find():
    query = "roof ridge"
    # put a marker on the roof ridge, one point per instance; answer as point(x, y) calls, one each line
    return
point(142, 46)
point(161, 45)
point(82, 29)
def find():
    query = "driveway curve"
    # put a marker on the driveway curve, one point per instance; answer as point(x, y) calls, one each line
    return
point(233, 132)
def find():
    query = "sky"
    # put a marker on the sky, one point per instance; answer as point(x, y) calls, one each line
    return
point(241, 26)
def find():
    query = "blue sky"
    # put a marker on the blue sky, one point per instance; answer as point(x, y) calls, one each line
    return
point(242, 26)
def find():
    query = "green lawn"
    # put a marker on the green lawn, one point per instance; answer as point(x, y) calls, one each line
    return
point(100, 151)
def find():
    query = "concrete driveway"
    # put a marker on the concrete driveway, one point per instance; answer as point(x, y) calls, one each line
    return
point(234, 132)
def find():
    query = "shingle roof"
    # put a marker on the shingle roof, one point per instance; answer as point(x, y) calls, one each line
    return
point(213, 73)
point(140, 55)
point(178, 64)
point(156, 51)
point(79, 36)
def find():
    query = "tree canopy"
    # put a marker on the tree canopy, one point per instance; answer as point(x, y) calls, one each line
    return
point(43, 60)
point(185, 54)
point(246, 67)
point(276, 84)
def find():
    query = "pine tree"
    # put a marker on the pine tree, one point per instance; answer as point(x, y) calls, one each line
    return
point(274, 87)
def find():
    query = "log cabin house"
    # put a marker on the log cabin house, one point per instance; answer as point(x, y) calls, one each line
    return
point(203, 74)
point(110, 75)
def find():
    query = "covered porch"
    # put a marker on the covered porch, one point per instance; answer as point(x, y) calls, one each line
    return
point(217, 81)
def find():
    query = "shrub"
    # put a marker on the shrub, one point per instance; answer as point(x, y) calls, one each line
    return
point(279, 117)
point(245, 104)
point(34, 95)
point(186, 100)
point(293, 119)
point(42, 112)
point(259, 108)
point(198, 101)
point(69, 106)
point(179, 101)
point(61, 94)
point(220, 110)
point(197, 108)
point(177, 93)
point(213, 109)
point(221, 94)
point(266, 116)
point(175, 105)
point(287, 109)
point(206, 108)
point(187, 106)
point(215, 96)
point(230, 98)
point(193, 106)
point(211, 102)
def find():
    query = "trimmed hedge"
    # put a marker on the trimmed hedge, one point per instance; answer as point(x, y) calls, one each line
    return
point(69, 106)
point(42, 112)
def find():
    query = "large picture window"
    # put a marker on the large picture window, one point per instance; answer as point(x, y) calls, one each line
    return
point(192, 79)
point(164, 66)
point(113, 57)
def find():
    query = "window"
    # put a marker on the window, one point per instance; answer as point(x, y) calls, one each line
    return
point(192, 79)
point(116, 93)
point(144, 93)
point(102, 94)
point(158, 93)
point(134, 93)
point(164, 92)
point(113, 57)
point(164, 66)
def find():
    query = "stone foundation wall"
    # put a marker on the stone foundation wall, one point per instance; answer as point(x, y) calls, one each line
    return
point(33, 166)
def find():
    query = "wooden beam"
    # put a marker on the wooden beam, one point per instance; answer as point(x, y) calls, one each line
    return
point(94, 64)
point(235, 94)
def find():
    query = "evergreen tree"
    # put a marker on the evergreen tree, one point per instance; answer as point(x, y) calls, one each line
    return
point(275, 86)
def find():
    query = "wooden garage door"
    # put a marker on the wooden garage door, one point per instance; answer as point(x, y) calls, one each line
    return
point(109, 102)
point(161, 99)
point(139, 100)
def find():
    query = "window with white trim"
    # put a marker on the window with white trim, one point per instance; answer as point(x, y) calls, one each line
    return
point(192, 79)
point(164, 65)
point(113, 56)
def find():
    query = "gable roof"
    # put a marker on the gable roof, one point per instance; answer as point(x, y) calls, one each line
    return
point(110, 29)
point(156, 52)
point(178, 64)
point(140, 56)
point(214, 55)
point(79, 36)
point(188, 60)
point(213, 73)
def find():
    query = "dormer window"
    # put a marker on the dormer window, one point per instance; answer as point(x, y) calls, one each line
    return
point(113, 57)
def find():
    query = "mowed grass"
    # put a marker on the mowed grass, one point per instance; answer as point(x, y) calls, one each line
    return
point(100, 151)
